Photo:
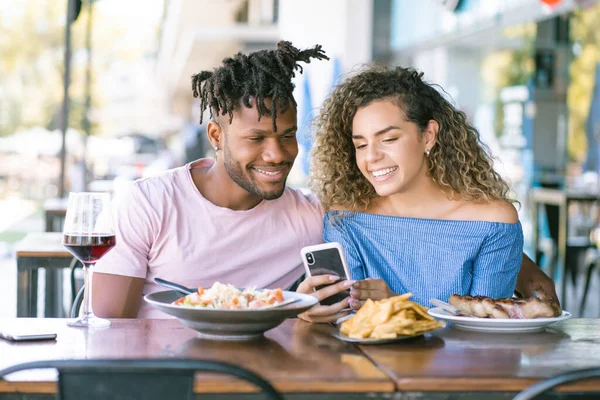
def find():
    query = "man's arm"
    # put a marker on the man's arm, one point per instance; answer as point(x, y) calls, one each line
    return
point(531, 278)
point(116, 296)
point(119, 276)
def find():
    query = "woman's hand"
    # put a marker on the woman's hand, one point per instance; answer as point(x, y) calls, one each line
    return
point(320, 313)
point(374, 289)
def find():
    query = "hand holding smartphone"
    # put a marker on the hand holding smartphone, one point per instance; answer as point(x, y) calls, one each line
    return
point(326, 259)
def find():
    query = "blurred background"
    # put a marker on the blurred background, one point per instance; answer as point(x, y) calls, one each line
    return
point(97, 93)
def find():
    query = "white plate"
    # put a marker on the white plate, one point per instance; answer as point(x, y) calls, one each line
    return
point(345, 338)
point(230, 324)
point(497, 325)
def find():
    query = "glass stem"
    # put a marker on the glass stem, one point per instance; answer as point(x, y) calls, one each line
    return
point(86, 311)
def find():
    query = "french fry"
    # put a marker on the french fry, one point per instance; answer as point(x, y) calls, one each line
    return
point(362, 333)
point(360, 318)
point(422, 311)
point(390, 318)
point(401, 297)
point(383, 313)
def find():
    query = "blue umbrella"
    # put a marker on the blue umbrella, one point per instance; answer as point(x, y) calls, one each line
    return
point(337, 71)
point(592, 127)
point(304, 134)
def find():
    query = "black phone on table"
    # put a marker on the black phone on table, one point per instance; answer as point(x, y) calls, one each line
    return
point(327, 259)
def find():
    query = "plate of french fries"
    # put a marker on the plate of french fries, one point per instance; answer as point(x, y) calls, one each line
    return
point(388, 320)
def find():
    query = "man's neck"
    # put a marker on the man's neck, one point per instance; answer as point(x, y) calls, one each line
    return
point(216, 186)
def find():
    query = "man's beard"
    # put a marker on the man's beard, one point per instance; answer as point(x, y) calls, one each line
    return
point(236, 173)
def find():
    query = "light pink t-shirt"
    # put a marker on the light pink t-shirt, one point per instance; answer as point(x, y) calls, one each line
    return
point(165, 228)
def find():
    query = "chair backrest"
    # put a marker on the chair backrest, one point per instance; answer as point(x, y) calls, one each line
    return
point(535, 390)
point(77, 302)
point(146, 379)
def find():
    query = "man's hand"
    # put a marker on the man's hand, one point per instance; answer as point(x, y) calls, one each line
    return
point(374, 289)
point(532, 279)
point(319, 313)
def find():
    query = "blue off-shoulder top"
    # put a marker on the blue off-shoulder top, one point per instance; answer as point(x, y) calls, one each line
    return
point(427, 257)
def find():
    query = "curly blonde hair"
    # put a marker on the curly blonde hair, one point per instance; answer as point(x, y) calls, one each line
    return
point(459, 163)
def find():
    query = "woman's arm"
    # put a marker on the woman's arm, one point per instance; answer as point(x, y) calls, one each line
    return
point(498, 263)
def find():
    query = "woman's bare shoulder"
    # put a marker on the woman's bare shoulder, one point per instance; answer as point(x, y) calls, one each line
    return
point(495, 211)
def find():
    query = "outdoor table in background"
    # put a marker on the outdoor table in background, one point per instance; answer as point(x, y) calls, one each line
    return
point(41, 250)
point(55, 210)
point(562, 199)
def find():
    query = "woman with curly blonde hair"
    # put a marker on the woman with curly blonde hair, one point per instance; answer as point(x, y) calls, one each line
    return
point(411, 192)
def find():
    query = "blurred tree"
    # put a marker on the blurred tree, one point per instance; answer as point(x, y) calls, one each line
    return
point(32, 62)
point(504, 68)
point(585, 36)
point(30, 43)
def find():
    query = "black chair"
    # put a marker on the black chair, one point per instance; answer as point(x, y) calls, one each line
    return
point(75, 264)
point(77, 303)
point(535, 390)
point(576, 251)
point(146, 379)
point(592, 262)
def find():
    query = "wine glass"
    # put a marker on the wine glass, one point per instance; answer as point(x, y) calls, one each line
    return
point(88, 234)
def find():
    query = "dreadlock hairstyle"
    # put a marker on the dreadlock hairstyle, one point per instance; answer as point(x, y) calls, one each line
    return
point(260, 75)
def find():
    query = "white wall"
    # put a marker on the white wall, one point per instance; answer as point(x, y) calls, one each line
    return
point(344, 29)
point(434, 63)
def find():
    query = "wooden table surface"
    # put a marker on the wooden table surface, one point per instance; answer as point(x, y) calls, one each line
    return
point(455, 360)
point(298, 357)
point(294, 357)
point(42, 244)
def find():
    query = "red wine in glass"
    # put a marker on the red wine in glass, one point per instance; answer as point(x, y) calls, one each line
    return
point(88, 234)
point(89, 248)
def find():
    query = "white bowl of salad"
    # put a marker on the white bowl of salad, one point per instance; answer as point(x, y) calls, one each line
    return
point(229, 313)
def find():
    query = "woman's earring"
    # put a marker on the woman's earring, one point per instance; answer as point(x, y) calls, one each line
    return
point(427, 152)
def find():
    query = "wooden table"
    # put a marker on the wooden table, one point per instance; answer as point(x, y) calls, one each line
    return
point(452, 360)
point(295, 357)
point(35, 251)
point(55, 210)
point(302, 360)
point(562, 199)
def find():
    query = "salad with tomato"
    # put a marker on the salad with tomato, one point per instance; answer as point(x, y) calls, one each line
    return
point(228, 297)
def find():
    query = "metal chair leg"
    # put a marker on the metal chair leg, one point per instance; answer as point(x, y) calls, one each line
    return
point(590, 270)
point(74, 265)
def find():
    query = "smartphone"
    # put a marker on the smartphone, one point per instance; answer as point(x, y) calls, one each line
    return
point(17, 335)
point(326, 259)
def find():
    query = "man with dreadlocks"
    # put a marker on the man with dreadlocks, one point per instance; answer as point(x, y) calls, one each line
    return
point(231, 220)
